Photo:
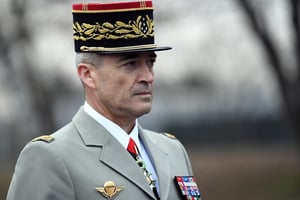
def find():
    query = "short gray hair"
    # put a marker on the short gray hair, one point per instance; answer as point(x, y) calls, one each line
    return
point(89, 58)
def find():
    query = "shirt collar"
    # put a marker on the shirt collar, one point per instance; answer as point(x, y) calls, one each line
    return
point(114, 129)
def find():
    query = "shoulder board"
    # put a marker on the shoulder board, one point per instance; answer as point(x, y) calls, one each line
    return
point(44, 138)
point(169, 135)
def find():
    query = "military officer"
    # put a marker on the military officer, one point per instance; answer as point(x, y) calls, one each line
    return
point(104, 153)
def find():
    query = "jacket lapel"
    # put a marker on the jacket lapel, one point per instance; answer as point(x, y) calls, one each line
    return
point(112, 153)
point(160, 160)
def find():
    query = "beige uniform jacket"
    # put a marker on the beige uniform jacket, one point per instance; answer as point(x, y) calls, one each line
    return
point(83, 156)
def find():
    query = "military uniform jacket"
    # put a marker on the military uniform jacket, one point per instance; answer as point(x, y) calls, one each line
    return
point(82, 156)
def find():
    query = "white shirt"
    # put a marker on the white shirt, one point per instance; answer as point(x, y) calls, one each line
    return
point(123, 137)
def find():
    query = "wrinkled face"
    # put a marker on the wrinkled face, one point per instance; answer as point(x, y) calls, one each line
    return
point(124, 84)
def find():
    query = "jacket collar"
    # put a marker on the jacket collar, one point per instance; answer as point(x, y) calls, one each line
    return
point(112, 153)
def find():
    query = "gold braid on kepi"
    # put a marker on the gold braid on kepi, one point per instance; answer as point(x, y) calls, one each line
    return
point(117, 27)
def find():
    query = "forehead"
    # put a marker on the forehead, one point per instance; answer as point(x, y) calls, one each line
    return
point(134, 55)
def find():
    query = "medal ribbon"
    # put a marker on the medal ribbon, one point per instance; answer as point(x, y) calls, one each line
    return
point(133, 150)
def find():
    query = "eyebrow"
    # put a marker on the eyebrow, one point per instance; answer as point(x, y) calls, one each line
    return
point(131, 56)
point(125, 57)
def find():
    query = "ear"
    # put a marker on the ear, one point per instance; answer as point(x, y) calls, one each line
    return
point(86, 75)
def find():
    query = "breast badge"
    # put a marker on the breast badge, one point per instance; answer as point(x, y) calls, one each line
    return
point(187, 187)
point(109, 190)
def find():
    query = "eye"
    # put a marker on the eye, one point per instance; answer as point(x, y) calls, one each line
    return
point(151, 62)
point(130, 64)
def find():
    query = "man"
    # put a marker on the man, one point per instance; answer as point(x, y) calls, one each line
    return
point(104, 153)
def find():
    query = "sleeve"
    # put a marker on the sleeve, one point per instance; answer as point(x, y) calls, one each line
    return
point(187, 159)
point(40, 174)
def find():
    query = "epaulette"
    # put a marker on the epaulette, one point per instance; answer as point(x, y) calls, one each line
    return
point(169, 135)
point(44, 138)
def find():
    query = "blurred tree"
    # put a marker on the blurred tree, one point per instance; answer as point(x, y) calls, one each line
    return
point(34, 97)
point(289, 83)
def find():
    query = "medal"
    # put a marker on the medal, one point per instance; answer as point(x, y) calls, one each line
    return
point(187, 187)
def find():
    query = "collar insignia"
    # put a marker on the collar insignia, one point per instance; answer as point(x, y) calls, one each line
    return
point(109, 189)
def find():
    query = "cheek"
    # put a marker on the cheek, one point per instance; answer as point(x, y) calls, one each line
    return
point(124, 89)
point(127, 90)
point(124, 83)
point(115, 88)
point(116, 85)
point(121, 81)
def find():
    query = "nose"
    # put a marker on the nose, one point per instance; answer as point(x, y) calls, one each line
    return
point(146, 74)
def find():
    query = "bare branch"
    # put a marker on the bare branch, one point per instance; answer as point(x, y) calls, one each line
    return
point(265, 38)
point(296, 26)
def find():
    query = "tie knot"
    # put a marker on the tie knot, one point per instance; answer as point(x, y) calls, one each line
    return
point(132, 147)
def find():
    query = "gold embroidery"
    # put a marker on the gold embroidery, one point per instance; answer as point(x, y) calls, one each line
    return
point(141, 27)
point(85, 6)
point(169, 135)
point(45, 138)
point(86, 48)
point(143, 4)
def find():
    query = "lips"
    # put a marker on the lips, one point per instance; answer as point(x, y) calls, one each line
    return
point(142, 90)
point(143, 93)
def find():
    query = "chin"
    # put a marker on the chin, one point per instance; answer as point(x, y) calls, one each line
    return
point(143, 111)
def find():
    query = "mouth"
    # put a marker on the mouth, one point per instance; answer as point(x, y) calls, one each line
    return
point(144, 93)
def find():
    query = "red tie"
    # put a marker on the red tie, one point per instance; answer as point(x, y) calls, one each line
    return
point(132, 148)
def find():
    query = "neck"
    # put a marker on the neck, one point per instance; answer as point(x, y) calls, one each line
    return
point(127, 126)
point(127, 123)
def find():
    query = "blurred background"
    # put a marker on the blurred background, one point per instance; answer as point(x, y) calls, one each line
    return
point(229, 89)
